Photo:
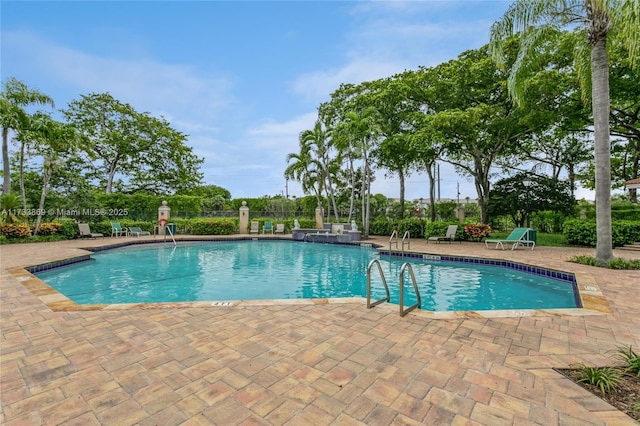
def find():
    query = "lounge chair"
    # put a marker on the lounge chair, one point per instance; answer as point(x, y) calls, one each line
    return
point(279, 228)
point(117, 230)
point(255, 227)
point(267, 227)
point(449, 236)
point(85, 232)
point(517, 237)
point(135, 230)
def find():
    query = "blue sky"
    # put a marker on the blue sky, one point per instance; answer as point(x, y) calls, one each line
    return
point(241, 78)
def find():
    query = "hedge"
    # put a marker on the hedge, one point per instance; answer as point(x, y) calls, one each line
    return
point(583, 232)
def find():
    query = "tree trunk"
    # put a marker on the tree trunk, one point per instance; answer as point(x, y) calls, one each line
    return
point(601, 105)
point(401, 178)
point(22, 192)
point(353, 188)
point(46, 176)
point(6, 171)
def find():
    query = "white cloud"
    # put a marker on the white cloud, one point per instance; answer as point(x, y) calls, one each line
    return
point(318, 85)
point(174, 90)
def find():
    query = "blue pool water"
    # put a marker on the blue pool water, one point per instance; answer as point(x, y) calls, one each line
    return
point(253, 270)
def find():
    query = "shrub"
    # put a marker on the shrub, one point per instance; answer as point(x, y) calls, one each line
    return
point(15, 230)
point(606, 379)
point(438, 229)
point(615, 263)
point(384, 226)
point(214, 227)
point(630, 358)
point(477, 231)
point(48, 228)
point(583, 232)
point(68, 229)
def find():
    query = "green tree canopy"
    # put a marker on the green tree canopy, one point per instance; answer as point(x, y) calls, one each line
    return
point(130, 150)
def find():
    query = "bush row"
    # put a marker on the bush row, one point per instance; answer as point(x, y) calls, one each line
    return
point(583, 232)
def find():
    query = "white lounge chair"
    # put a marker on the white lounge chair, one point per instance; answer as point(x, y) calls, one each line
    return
point(255, 227)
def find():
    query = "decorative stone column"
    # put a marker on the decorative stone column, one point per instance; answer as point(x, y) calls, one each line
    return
point(244, 219)
point(164, 214)
point(319, 217)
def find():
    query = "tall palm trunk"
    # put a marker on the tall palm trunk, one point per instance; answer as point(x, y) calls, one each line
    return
point(47, 170)
point(22, 191)
point(6, 171)
point(601, 106)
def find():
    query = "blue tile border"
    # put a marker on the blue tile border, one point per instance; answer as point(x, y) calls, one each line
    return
point(567, 277)
point(58, 264)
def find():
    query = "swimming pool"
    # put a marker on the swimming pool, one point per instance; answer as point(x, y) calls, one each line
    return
point(255, 270)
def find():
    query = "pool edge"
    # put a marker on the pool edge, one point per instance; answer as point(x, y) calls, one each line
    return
point(592, 300)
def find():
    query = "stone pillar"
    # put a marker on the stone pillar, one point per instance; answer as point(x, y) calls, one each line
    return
point(244, 218)
point(164, 214)
point(319, 217)
point(460, 214)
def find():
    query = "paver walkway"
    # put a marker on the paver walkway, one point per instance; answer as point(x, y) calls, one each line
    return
point(309, 364)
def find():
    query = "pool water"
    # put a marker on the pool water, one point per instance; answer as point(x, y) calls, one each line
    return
point(254, 270)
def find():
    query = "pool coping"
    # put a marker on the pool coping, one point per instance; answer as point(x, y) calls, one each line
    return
point(590, 296)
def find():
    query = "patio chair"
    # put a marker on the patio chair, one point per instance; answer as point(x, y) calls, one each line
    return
point(517, 237)
point(449, 236)
point(279, 228)
point(85, 232)
point(267, 227)
point(135, 230)
point(255, 227)
point(117, 230)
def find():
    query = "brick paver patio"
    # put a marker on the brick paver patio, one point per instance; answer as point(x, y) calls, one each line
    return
point(306, 364)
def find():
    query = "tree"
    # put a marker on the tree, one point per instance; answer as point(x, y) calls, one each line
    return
point(471, 118)
point(363, 131)
point(318, 141)
point(142, 151)
point(213, 197)
point(522, 194)
point(52, 138)
point(534, 19)
point(14, 97)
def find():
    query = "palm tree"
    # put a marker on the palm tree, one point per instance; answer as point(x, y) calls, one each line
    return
point(303, 168)
point(13, 98)
point(363, 131)
point(534, 19)
point(318, 142)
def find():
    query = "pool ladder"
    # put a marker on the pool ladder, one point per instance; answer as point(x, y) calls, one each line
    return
point(406, 239)
point(405, 265)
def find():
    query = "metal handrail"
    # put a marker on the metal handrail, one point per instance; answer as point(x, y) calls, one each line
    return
point(406, 236)
point(394, 233)
point(384, 281)
point(403, 311)
point(168, 228)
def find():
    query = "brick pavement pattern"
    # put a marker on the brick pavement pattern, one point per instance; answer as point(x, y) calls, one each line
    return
point(305, 364)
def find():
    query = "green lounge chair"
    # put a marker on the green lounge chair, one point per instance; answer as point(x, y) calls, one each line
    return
point(135, 230)
point(517, 237)
point(449, 236)
point(117, 230)
point(267, 227)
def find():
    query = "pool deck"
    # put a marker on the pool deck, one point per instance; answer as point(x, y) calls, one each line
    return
point(313, 363)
